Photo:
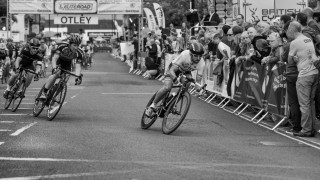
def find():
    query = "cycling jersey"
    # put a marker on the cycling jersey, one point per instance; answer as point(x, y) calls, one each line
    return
point(12, 48)
point(27, 58)
point(3, 54)
point(66, 56)
point(183, 61)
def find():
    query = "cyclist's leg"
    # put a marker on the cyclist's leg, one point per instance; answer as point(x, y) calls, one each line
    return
point(38, 66)
point(50, 81)
point(167, 82)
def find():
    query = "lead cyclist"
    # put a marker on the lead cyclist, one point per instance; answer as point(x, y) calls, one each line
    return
point(63, 56)
point(187, 61)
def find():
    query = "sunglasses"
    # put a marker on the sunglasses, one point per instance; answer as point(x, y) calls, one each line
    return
point(196, 56)
point(34, 48)
point(229, 34)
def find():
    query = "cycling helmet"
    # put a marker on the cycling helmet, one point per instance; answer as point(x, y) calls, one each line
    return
point(9, 40)
point(34, 42)
point(196, 48)
point(75, 39)
point(3, 46)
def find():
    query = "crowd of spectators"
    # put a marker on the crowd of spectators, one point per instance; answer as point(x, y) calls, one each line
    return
point(292, 39)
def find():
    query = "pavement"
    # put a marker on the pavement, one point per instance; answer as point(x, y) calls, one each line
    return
point(97, 135)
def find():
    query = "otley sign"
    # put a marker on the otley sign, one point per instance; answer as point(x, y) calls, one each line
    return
point(76, 20)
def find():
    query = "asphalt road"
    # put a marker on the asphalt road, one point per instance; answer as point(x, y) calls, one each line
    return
point(97, 135)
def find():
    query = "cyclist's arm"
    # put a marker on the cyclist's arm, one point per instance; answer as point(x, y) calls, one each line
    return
point(54, 60)
point(172, 72)
point(17, 62)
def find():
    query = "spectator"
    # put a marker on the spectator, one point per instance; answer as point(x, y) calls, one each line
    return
point(291, 79)
point(252, 32)
point(302, 52)
point(153, 50)
point(214, 17)
point(136, 46)
point(175, 45)
point(223, 54)
point(172, 29)
point(245, 48)
point(247, 25)
point(284, 19)
point(159, 52)
point(225, 30)
point(205, 18)
point(152, 68)
point(275, 43)
point(260, 43)
point(240, 21)
point(311, 22)
point(158, 31)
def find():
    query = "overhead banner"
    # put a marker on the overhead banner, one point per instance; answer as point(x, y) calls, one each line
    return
point(119, 6)
point(31, 6)
point(75, 6)
point(76, 20)
point(160, 15)
point(151, 20)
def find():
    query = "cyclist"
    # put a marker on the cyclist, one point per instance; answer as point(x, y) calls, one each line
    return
point(63, 56)
point(28, 54)
point(12, 48)
point(186, 62)
point(4, 60)
point(40, 64)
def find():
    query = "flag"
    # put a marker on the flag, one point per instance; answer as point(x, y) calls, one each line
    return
point(160, 15)
point(151, 20)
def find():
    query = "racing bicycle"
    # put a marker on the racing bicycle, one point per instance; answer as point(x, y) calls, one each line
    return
point(173, 108)
point(17, 91)
point(55, 96)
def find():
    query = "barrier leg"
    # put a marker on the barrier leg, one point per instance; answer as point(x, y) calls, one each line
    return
point(243, 109)
point(238, 108)
point(261, 118)
point(212, 98)
point(222, 102)
point(158, 76)
point(257, 115)
point(208, 97)
point(276, 126)
point(225, 104)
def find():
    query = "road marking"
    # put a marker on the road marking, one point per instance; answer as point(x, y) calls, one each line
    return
point(4, 130)
point(126, 93)
point(35, 88)
point(19, 131)
point(74, 96)
point(1, 143)
point(104, 73)
point(13, 114)
point(6, 121)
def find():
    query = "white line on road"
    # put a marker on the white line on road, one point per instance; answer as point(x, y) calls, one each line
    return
point(74, 96)
point(6, 121)
point(19, 131)
point(4, 130)
point(1, 143)
point(13, 114)
point(126, 93)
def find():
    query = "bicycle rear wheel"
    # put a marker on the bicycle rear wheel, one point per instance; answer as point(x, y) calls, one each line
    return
point(56, 101)
point(17, 97)
point(38, 104)
point(176, 113)
point(147, 122)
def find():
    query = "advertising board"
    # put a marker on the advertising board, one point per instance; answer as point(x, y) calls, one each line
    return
point(31, 6)
point(75, 6)
point(119, 6)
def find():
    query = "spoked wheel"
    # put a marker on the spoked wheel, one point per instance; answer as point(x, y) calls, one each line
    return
point(56, 102)
point(176, 113)
point(146, 122)
point(9, 99)
point(17, 97)
point(38, 104)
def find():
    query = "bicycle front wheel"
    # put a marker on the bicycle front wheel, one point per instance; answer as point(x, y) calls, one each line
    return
point(176, 113)
point(17, 97)
point(147, 122)
point(56, 101)
point(38, 104)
